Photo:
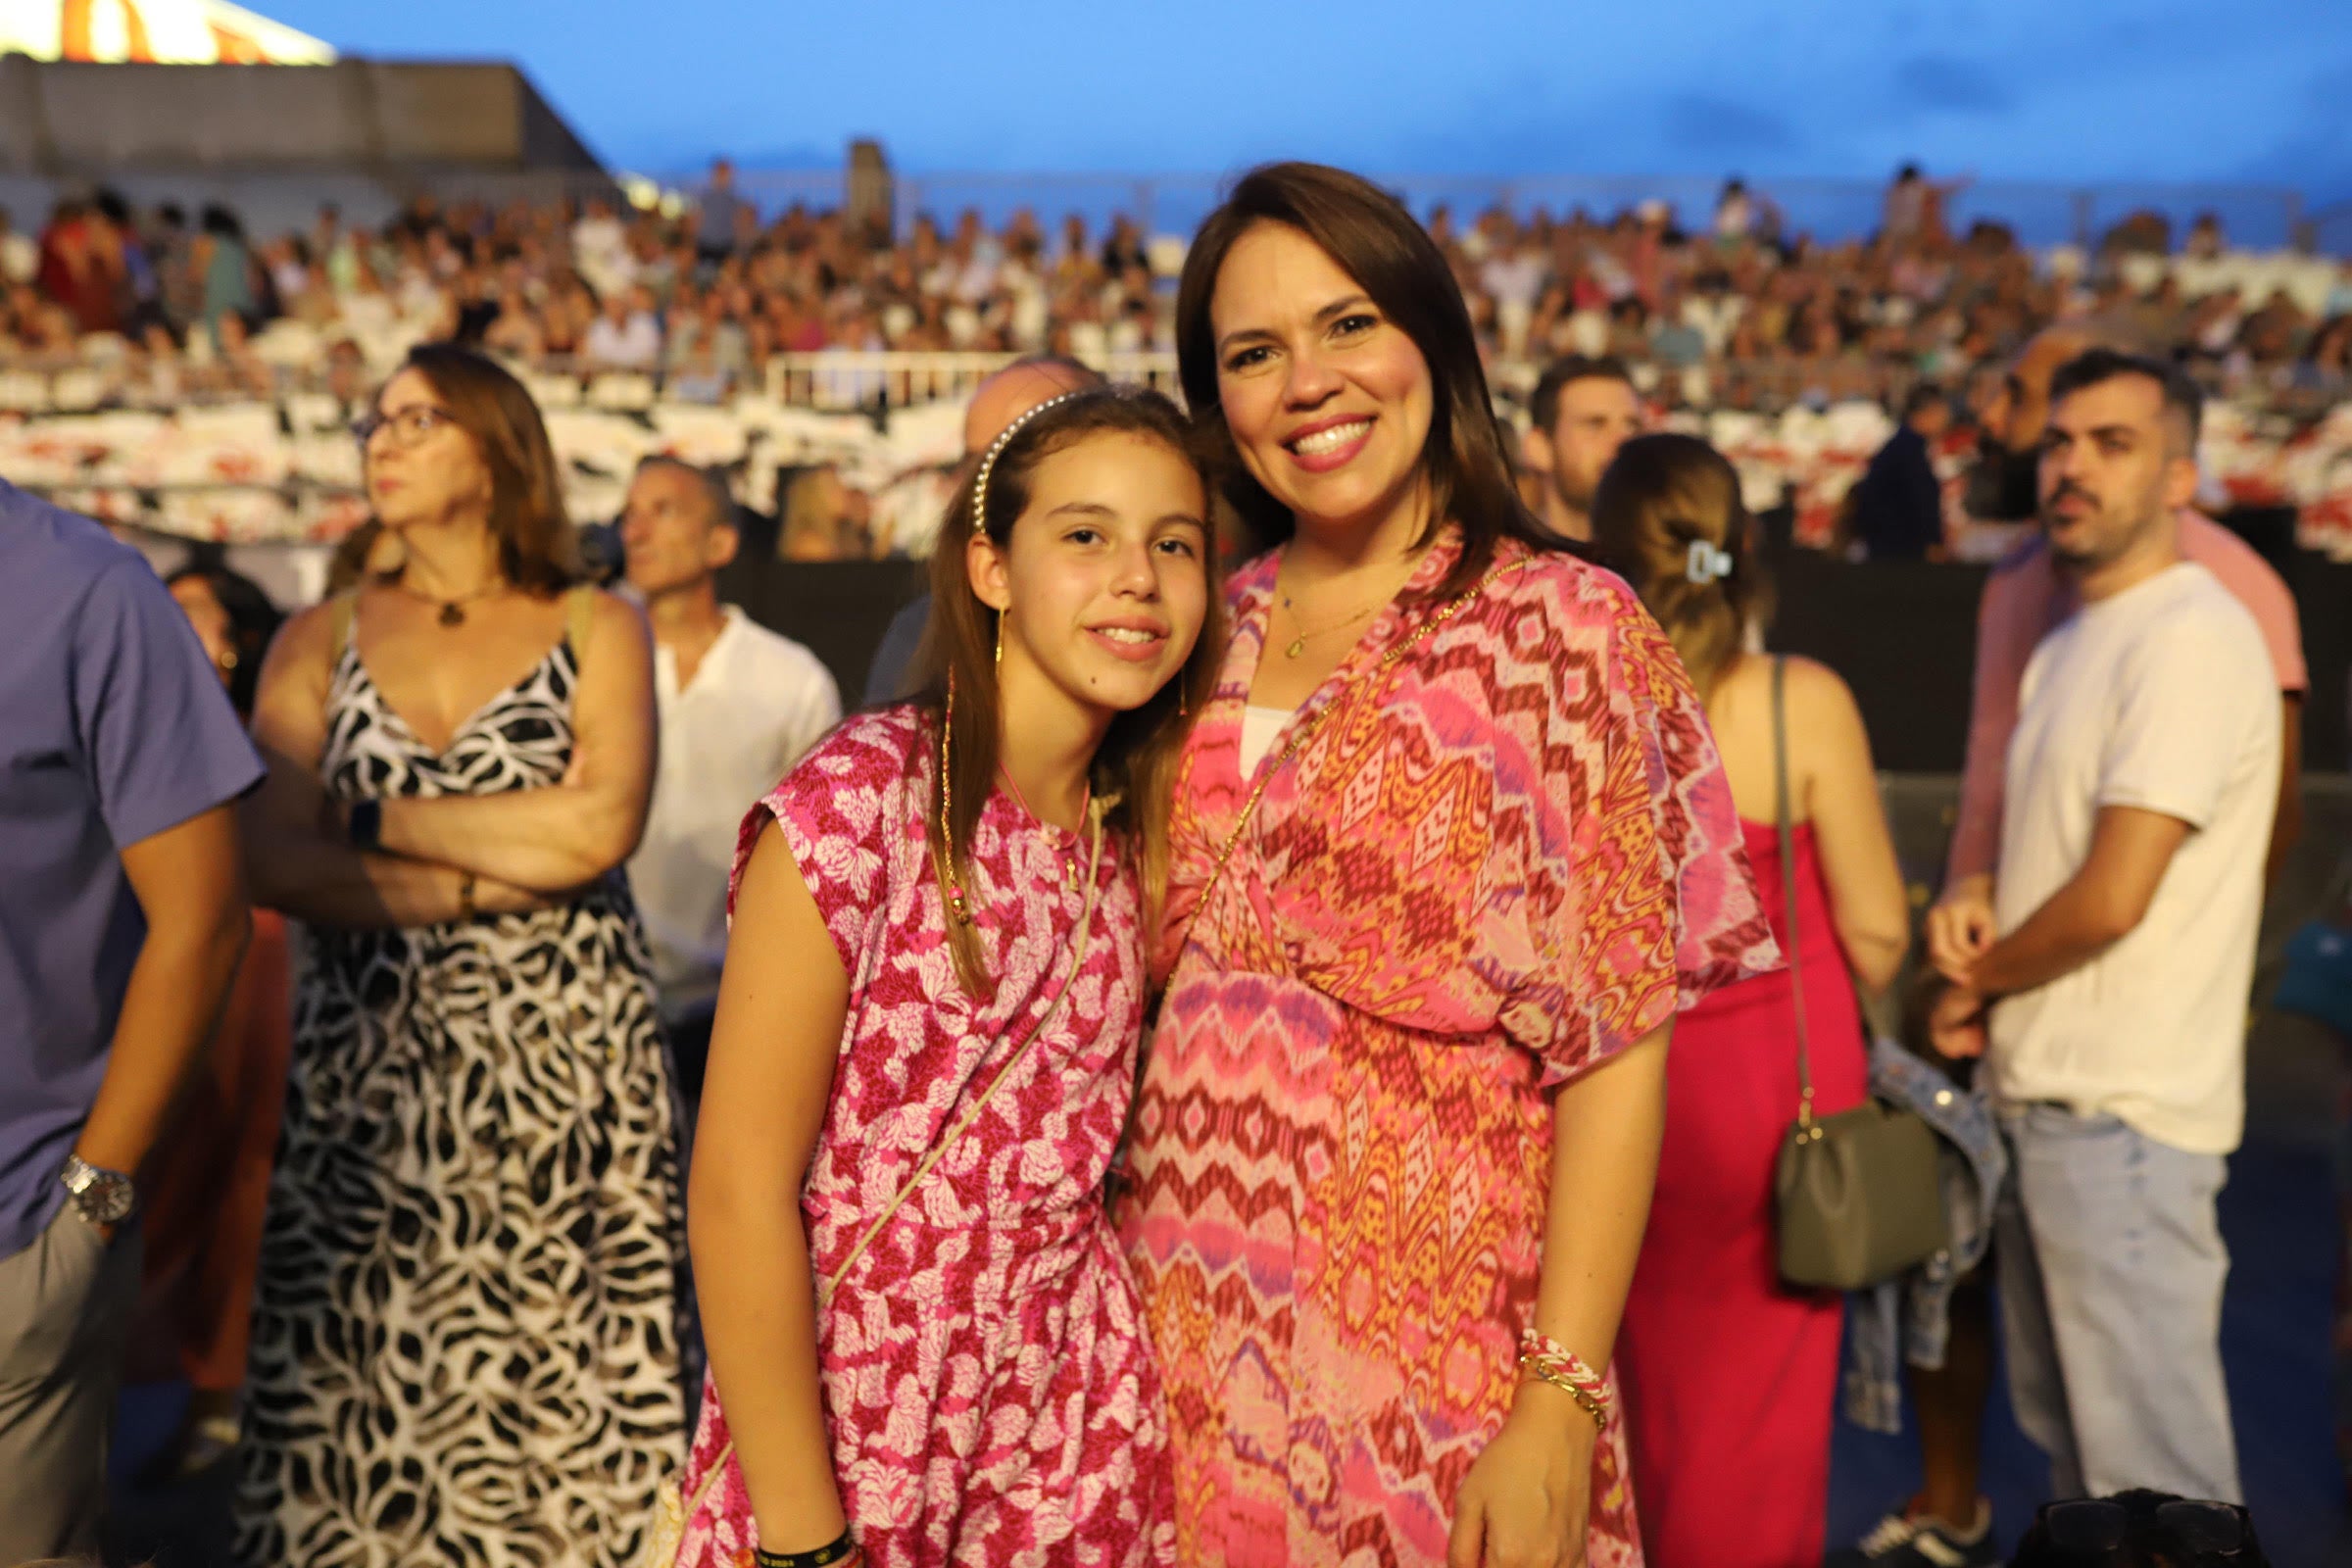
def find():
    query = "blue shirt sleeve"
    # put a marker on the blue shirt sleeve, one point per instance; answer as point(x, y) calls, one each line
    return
point(157, 735)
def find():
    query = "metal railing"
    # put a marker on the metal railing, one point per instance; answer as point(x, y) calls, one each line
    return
point(2040, 213)
point(842, 380)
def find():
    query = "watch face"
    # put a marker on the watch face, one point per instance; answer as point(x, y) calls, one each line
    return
point(101, 1197)
point(107, 1199)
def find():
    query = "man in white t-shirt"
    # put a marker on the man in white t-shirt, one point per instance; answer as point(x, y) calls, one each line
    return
point(2141, 782)
point(739, 706)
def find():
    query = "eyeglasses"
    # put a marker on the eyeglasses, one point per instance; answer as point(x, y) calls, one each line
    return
point(2100, 1525)
point(409, 426)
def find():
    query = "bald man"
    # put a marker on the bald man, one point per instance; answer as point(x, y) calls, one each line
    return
point(996, 403)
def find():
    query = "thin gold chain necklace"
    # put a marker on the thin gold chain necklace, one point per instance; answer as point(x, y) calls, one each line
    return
point(1302, 633)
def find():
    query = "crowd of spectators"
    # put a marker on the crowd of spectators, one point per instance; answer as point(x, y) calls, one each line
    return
point(707, 294)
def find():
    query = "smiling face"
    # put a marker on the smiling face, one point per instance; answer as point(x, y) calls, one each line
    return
point(1328, 401)
point(422, 465)
point(1102, 581)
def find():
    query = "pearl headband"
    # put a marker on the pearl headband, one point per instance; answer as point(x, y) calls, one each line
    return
point(988, 461)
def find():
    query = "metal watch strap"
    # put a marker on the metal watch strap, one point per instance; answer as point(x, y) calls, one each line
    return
point(101, 1197)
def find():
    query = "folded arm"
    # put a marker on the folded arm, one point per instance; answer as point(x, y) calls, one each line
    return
point(293, 863)
point(566, 835)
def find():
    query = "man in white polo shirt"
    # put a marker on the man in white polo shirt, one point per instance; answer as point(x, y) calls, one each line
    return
point(739, 707)
point(2142, 781)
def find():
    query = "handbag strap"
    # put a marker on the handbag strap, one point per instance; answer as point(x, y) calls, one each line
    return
point(948, 1140)
point(1797, 978)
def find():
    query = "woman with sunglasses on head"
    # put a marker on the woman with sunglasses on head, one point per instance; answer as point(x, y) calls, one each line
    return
point(1452, 847)
point(928, 1348)
point(466, 1332)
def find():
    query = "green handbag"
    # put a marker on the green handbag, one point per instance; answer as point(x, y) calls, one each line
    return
point(1858, 1195)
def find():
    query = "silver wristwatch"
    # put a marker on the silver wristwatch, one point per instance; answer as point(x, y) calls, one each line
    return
point(102, 1196)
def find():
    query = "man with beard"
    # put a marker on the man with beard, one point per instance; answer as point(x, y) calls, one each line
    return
point(2103, 975)
point(1583, 411)
point(1949, 1524)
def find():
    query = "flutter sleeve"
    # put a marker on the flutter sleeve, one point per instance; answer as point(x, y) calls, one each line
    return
point(1633, 896)
point(842, 811)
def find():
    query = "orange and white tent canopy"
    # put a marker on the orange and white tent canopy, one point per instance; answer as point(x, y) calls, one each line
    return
point(185, 32)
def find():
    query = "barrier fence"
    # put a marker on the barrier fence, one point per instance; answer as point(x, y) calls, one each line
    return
point(2040, 213)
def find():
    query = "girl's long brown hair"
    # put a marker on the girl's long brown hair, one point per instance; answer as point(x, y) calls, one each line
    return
point(1661, 495)
point(1138, 758)
point(1373, 239)
point(537, 548)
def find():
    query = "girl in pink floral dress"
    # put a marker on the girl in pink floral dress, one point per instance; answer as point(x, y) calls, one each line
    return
point(925, 1348)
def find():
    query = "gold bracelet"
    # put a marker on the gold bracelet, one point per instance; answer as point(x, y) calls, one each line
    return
point(1538, 1373)
point(1590, 1405)
point(465, 908)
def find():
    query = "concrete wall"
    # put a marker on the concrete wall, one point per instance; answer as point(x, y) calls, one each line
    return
point(70, 121)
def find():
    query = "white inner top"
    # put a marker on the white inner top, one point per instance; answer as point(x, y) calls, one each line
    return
point(1259, 727)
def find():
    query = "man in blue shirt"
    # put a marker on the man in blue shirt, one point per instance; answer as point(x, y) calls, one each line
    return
point(122, 919)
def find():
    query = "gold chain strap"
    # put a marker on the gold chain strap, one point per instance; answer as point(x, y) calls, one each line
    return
point(1313, 721)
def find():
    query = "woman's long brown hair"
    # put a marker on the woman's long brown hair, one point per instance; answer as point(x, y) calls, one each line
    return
point(1374, 241)
point(1138, 758)
point(1661, 495)
point(537, 548)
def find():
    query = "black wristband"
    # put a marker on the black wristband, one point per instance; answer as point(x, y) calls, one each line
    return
point(823, 1557)
point(365, 827)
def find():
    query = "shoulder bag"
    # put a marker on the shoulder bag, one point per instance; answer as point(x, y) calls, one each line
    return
point(1858, 1194)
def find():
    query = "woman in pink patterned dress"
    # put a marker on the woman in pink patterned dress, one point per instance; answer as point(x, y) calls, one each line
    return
point(1452, 847)
point(928, 959)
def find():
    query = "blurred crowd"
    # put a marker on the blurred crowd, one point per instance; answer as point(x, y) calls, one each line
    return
point(707, 294)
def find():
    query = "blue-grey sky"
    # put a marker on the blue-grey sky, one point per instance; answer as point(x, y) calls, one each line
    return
point(2070, 90)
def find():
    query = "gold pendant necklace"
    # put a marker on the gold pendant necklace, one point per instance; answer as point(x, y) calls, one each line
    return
point(1298, 644)
point(452, 611)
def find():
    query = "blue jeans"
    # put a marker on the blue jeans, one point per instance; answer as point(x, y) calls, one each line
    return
point(2111, 1267)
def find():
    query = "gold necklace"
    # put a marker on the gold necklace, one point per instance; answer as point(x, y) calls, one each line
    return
point(1298, 644)
point(1305, 633)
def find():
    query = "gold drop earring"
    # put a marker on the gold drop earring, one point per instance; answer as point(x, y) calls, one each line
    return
point(999, 638)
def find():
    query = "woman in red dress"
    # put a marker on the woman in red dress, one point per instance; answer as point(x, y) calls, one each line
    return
point(1731, 1377)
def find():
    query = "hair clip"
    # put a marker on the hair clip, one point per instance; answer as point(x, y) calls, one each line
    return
point(988, 460)
point(1706, 563)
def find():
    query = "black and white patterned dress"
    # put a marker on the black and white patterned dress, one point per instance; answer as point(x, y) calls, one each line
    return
point(465, 1330)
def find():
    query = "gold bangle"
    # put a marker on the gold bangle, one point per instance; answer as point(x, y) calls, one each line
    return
point(1583, 1397)
point(465, 908)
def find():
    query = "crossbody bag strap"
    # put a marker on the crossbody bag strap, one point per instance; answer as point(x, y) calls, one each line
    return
point(579, 612)
point(1797, 978)
point(341, 611)
point(948, 1140)
point(971, 1113)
